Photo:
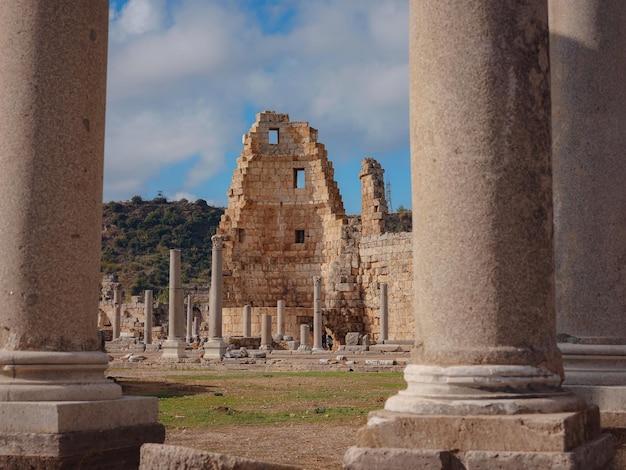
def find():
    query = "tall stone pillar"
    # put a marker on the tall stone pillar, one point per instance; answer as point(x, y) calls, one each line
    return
point(280, 319)
point(117, 309)
point(52, 382)
point(196, 328)
point(247, 318)
point(384, 313)
point(174, 346)
point(484, 385)
point(215, 348)
point(305, 332)
point(588, 57)
point(317, 314)
point(266, 332)
point(189, 319)
point(148, 312)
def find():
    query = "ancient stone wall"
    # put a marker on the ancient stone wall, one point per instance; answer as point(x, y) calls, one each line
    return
point(285, 223)
point(284, 217)
point(388, 259)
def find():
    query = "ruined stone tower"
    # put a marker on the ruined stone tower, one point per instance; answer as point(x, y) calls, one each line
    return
point(373, 202)
point(284, 218)
point(285, 224)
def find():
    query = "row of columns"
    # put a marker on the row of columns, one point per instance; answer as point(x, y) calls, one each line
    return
point(486, 370)
point(483, 246)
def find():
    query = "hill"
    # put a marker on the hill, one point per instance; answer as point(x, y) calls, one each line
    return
point(137, 236)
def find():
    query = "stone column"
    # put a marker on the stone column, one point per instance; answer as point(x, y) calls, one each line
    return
point(588, 57)
point(305, 333)
point(486, 371)
point(247, 318)
point(266, 332)
point(189, 319)
point(52, 382)
point(215, 348)
point(317, 314)
point(117, 309)
point(280, 319)
point(174, 347)
point(148, 312)
point(196, 328)
point(384, 313)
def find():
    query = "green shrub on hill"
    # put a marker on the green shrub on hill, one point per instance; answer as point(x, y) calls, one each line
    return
point(137, 237)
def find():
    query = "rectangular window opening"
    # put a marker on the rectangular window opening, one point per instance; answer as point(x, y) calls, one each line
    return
point(299, 236)
point(298, 177)
point(241, 234)
point(273, 136)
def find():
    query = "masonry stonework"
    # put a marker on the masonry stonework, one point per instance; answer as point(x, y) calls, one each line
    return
point(285, 224)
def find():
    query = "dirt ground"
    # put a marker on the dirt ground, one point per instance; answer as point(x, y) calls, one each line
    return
point(307, 445)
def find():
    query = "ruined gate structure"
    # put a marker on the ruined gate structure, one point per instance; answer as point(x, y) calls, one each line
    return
point(285, 223)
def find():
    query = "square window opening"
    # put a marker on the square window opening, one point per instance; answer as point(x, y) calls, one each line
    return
point(298, 177)
point(299, 236)
point(273, 136)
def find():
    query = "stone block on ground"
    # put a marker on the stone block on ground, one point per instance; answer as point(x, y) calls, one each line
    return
point(166, 457)
point(352, 339)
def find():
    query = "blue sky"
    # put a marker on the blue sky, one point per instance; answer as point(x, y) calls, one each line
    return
point(186, 78)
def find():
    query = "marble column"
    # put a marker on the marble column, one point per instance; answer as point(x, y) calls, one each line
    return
point(384, 314)
point(174, 346)
point(148, 312)
point(266, 332)
point(247, 318)
point(280, 319)
point(189, 319)
point(215, 347)
point(484, 383)
point(57, 407)
point(588, 57)
point(117, 309)
point(305, 333)
point(317, 314)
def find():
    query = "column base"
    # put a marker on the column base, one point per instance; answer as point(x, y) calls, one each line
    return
point(173, 349)
point(77, 435)
point(569, 441)
point(215, 348)
point(610, 400)
point(594, 364)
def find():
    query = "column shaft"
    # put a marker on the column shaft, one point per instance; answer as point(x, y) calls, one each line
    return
point(280, 318)
point(247, 327)
point(588, 53)
point(175, 331)
point(174, 347)
point(117, 310)
point(588, 60)
point(317, 314)
point(148, 312)
point(52, 383)
point(384, 313)
point(51, 148)
point(215, 347)
point(215, 295)
point(266, 331)
point(189, 319)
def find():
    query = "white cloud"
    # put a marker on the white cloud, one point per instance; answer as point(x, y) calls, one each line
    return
point(182, 73)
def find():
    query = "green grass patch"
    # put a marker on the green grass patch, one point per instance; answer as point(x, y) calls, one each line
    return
point(260, 399)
